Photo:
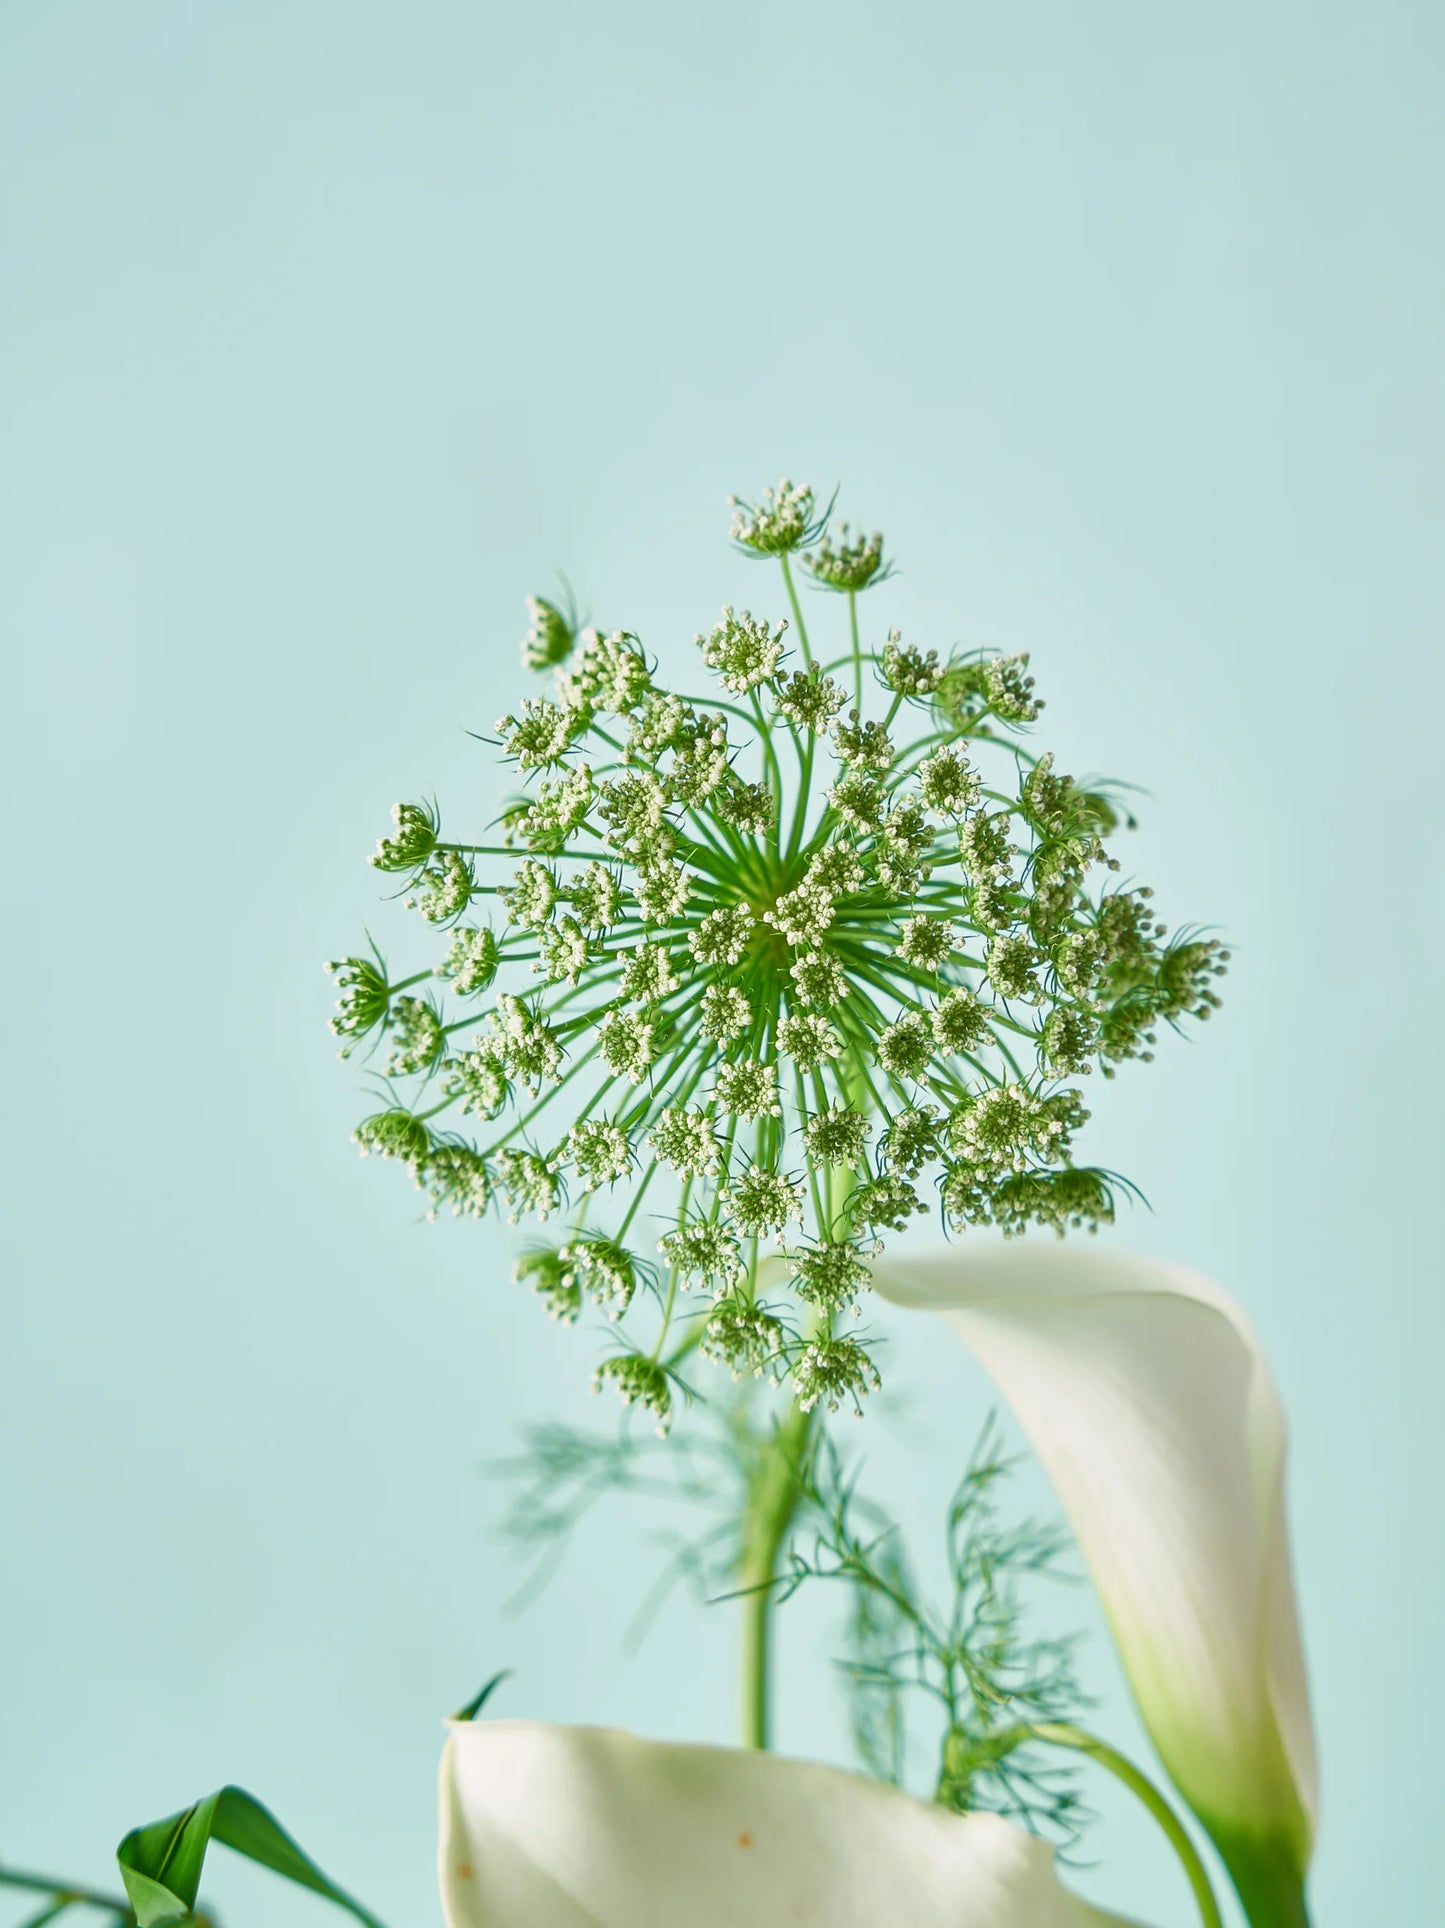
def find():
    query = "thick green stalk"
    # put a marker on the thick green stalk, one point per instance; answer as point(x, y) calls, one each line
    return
point(773, 1494)
point(1266, 1880)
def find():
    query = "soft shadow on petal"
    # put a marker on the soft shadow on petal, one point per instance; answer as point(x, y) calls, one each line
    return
point(584, 1827)
point(1143, 1390)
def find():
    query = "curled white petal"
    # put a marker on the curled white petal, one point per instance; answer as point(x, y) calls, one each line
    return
point(1144, 1392)
point(582, 1827)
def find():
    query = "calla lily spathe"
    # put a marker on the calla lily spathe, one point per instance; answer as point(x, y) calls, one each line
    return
point(582, 1827)
point(1144, 1392)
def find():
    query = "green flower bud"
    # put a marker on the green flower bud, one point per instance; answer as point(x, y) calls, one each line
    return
point(837, 1136)
point(605, 1271)
point(365, 998)
point(599, 1151)
point(393, 1134)
point(909, 671)
point(471, 963)
point(763, 1202)
point(1068, 1040)
point(726, 1013)
point(530, 1183)
point(749, 1090)
point(543, 734)
point(640, 1382)
point(928, 941)
point(829, 1275)
point(743, 652)
point(888, 1203)
point(809, 699)
point(444, 888)
point(832, 1372)
point(809, 1040)
point(554, 1280)
point(611, 676)
point(1010, 689)
point(627, 1041)
point(684, 1140)
point(849, 566)
point(782, 521)
point(413, 840)
point(744, 1337)
point(703, 1252)
point(415, 1028)
point(912, 1140)
point(456, 1174)
point(549, 641)
point(905, 1047)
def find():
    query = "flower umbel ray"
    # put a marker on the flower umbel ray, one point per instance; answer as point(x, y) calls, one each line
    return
point(770, 970)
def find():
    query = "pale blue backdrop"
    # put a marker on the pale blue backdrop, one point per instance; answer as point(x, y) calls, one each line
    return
point(332, 328)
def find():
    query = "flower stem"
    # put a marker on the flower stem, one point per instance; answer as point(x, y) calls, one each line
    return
point(797, 611)
point(1065, 1734)
point(857, 650)
point(773, 1493)
point(772, 772)
point(1266, 1879)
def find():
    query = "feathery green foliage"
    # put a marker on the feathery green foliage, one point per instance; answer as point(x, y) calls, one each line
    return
point(967, 1663)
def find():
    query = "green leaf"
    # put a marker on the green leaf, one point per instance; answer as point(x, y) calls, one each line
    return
point(479, 1700)
point(61, 1895)
point(47, 1914)
point(161, 1864)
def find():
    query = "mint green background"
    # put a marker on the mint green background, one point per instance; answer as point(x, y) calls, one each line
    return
point(333, 329)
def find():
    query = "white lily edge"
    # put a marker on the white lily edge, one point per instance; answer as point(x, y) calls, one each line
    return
point(587, 1827)
point(1145, 1394)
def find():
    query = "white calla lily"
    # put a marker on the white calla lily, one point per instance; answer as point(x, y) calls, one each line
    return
point(582, 1827)
point(1144, 1392)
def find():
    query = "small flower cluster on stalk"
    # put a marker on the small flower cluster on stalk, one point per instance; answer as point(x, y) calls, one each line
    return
point(787, 966)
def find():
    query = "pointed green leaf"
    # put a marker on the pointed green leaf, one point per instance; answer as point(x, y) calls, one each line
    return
point(47, 1914)
point(479, 1700)
point(161, 1864)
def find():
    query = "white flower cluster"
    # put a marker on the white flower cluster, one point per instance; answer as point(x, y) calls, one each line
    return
point(809, 967)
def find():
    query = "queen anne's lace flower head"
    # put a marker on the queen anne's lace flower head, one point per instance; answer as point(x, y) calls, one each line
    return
point(742, 653)
point(849, 563)
point(772, 971)
point(781, 520)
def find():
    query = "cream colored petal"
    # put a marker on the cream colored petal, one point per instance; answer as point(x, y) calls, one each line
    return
point(583, 1827)
point(1144, 1392)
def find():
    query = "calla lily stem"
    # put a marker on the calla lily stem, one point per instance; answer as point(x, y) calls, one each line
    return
point(1065, 1734)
